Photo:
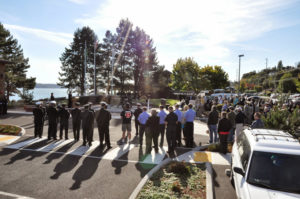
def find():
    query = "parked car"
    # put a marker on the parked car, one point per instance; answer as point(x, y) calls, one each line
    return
point(265, 164)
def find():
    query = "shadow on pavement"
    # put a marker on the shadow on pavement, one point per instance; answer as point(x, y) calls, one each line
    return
point(118, 164)
point(87, 169)
point(143, 168)
point(53, 156)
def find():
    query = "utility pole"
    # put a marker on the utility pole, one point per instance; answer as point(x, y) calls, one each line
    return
point(84, 79)
point(266, 63)
point(95, 87)
point(240, 72)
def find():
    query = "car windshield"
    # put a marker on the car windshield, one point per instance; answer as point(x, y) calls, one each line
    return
point(275, 171)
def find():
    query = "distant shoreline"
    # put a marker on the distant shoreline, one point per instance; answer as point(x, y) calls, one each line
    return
point(39, 85)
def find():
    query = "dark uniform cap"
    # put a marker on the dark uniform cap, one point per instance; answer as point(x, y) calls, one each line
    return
point(103, 103)
point(77, 103)
point(86, 105)
point(138, 104)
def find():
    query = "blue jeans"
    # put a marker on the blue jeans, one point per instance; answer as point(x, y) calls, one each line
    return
point(231, 134)
point(213, 134)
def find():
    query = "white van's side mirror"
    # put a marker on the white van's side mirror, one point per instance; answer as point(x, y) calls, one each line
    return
point(239, 171)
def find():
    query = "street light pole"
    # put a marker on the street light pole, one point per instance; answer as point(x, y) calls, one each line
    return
point(240, 72)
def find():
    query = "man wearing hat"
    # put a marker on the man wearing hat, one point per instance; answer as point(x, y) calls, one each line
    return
point(52, 118)
point(136, 114)
point(102, 118)
point(87, 118)
point(64, 116)
point(39, 117)
point(93, 111)
point(76, 120)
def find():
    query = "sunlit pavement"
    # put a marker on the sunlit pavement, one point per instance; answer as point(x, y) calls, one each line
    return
point(38, 168)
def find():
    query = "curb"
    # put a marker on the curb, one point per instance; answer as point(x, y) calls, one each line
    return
point(209, 181)
point(141, 184)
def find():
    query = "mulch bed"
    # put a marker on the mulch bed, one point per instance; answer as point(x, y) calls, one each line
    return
point(9, 130)
point(176, 180)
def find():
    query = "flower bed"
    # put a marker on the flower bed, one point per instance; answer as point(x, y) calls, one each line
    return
point(176, 180)
point(9, 130)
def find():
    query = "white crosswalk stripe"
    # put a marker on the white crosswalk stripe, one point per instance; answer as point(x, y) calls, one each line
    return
point(25, 143)
point(114, 154)
point(155, 158)
point(83, 149)
point(118, 152)
point(55, 145)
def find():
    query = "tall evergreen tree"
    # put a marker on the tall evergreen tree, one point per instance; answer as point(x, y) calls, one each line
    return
point(144, 62)
point(15, 72)
point(72, 75)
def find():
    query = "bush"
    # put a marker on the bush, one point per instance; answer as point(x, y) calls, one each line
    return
point(283, 120)
point(179, 168)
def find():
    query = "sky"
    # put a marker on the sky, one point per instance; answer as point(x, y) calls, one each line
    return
point(213, 32)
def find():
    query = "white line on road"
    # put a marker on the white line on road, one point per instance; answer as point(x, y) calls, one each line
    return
point(25, 143)
point(14, 195)
point(156, 158)
point(55, 145)
point(118, 152)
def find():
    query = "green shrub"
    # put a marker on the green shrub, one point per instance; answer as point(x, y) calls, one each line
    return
point(179, 168)
point(283, 120)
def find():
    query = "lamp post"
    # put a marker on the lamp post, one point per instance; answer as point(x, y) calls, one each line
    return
point(240, 72)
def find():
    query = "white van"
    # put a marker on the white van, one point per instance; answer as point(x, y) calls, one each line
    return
point(266, 164)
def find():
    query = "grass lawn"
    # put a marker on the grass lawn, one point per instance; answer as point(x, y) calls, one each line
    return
point(9, 130)
point(176, 180)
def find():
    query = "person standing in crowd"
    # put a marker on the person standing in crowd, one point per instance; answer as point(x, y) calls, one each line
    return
point(239, 122)
point(70, 100)
point(162, 115)
point(231, 116)
point(143, 117)
point(76, 121)
point(170, 121)
point(93, 111)
point(212, 122)
point(185, 108)
point(152, 132)
point(224, 126)
point(52, 118)
point(52, 97)
point(103, 117)
point(126, 116)
point(225, 106)
point(64, 116)
point(87, 118)
point(257, 123)
point(136, 114)
point(39, 116)
point(248, 112)
point(178, 127)
point(189, 118)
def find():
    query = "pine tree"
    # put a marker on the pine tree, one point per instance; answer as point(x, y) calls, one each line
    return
point(72, 75)
point(15, 72)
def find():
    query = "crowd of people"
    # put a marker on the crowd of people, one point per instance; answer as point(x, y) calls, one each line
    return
point(158, 124)
point(226, 123)
point(172, 124)
point(81, 119)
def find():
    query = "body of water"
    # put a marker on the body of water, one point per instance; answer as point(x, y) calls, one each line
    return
point(41, 93)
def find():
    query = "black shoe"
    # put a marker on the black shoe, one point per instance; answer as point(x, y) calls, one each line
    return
point(66, 138)
point(101, 145)
point(54, 138)
point(109, 147)
point(90, 144)
point(84, 144)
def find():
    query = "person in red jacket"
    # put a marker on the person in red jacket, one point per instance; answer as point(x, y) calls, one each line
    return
point(224, 127)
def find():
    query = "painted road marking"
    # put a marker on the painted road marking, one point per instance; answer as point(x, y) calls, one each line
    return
point(23, 144)
point(118, 152)
point(83, 149)
point(14, 195)
point(7, 138)
point(202, 157)
point(55, 145)
point(156, 158)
